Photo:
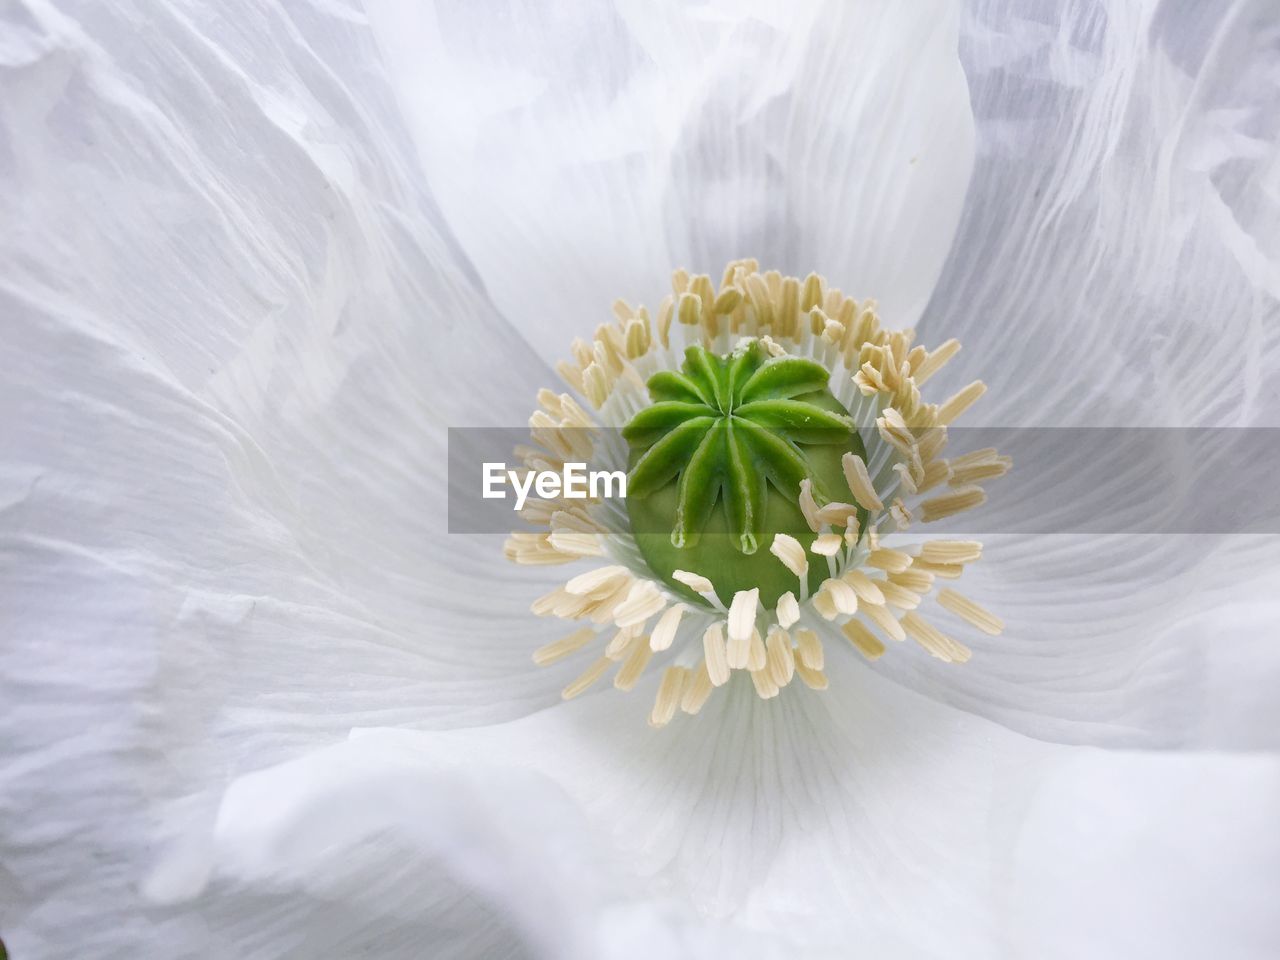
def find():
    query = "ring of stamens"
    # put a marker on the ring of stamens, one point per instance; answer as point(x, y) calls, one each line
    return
point(872, 593)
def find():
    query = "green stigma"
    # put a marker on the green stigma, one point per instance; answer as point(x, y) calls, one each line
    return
point(717, 461)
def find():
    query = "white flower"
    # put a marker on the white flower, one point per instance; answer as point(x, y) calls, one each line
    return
point(775, 413)
point(255, 261)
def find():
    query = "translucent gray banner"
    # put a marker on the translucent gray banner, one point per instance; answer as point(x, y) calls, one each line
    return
point(1064, 479)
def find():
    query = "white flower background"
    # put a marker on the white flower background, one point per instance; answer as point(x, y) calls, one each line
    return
point(257, 257)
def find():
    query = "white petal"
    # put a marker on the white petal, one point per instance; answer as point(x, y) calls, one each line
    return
point(222, 519)
point(370, 845)
point(879, 151)
point(1109, 817)
point(234, 330)
point(1117, 261)
point(916, 836)
point(580, 159)
point(1117, 267)
point(1153, 640)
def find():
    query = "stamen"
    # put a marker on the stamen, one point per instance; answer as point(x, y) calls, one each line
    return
point(575, 520)
point(738, 652)
point(577, 544)
point(696, 583)
point(587, 678)
point(728, 301)
point(643, 601)
point(835, 513)
point(900, 515)
point(637, 659)
point(827, 545)
point(697, 690)
point(668, 698)
point(894, 561)
point(813, 292)
point(936, 360)
point(808, 506)
point(864, 587)
point(782, 663)
point(863, 640)
point(843, 596)
point(557, 650)
point(637, 340)
point(791, 339)
point(809, 649)
point(893, 429)
point(788, 610)
point(533, 549)
point(689, 309)
point(914, 579)
point(622, 642)
point(935, 472)
point(931, 442)
point(742, 613)
point(947, 571)
point(595, 385)
point(951, 551)
point(587, 583)
point(886, 621)
point(601, 610)
point(899, 596)
point(983, 470)
point(766, 689)
point(757, 658)
point(546, 604)
point(787, 549)
point(962, 606)
point(933, 640)
point(959, 500)
point(813, 679)
point(570, 374)
point(825, 605)
point(905, 480)
point(716, 656)
point(666, 312)
point(985, 455)
point(664, 631)
point(961, 402)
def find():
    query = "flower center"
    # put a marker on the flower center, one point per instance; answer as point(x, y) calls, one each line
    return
point(718, 461)
point(755, 527)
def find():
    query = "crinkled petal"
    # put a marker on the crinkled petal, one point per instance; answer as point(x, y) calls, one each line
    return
point(865, 815)
point(468, 859)
point(235, 330)
point(238, 317)
point(1117, 262)
point(1117, 266)
point(580, 157)
point(1125, 640)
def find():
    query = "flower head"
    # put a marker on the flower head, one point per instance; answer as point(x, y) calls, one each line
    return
point(259, 256)
point(774, 413)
